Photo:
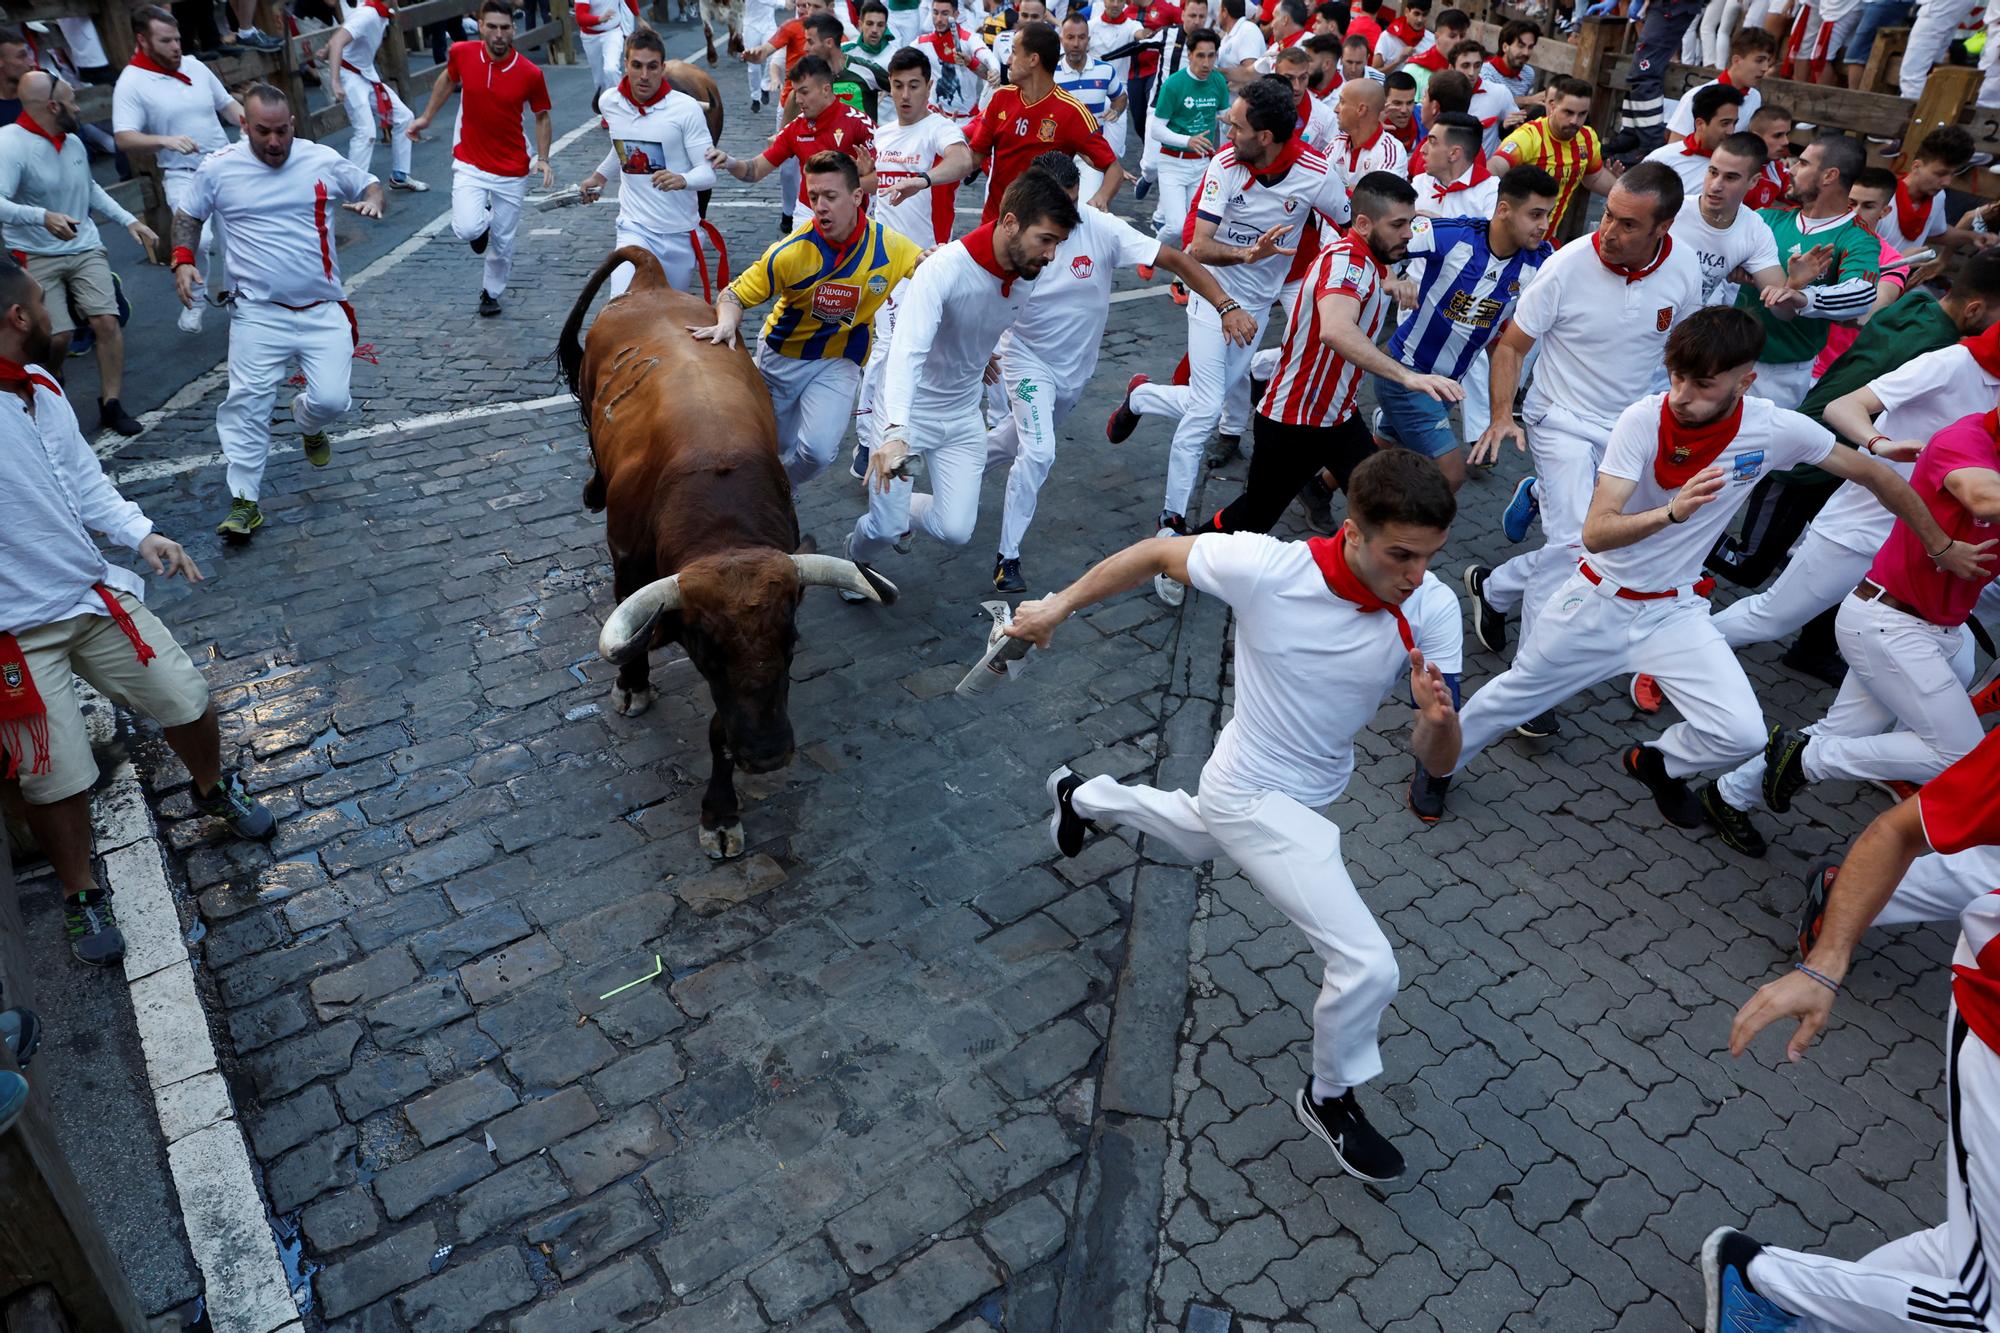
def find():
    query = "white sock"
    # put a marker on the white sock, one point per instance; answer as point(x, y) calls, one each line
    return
point(1326, 1092)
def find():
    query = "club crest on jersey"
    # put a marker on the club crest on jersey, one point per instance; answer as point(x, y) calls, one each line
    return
point(1046, 132)
point(1748, 464)
point(878, 284)
point(1291, 205)
point(1663, 319)
point(10, 675)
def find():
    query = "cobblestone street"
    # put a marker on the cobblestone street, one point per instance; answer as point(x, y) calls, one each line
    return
point(901, 1066)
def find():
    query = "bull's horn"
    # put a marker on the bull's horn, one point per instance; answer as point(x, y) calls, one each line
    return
point(830, 571)
point(629, 632)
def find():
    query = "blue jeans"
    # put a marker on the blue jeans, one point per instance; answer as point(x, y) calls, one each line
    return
point(1877, 15)
point(1414, 420)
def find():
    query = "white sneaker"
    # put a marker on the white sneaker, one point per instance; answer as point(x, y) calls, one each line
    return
point(1171, 591)
point(190, 320)
point(410, 183)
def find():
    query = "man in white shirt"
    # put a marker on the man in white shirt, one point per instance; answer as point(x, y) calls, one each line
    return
point(1096, 85)
point(173, 106)
point(374, 111)
point(949, 318)
point(1716, 109)
point(1753, 53)
point(1242, 44)
point(1492, 104)
point(659, 152)
point(1363, 144)
point(1674, 473)
point(1599, 311)
point(1454, 182)
point(1322, 640)
point(66, 611)
point(1255, 198)
point(602, 27)
point(271, 190)
point(1049, 355)
point(962, 66)
point(1726, 237)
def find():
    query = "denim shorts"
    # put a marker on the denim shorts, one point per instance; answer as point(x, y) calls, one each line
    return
point(1415, 420)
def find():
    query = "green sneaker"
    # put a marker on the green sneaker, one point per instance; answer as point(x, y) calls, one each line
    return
point(94, 936)
point(244, 518)
point(230, 801)
point(319, 449)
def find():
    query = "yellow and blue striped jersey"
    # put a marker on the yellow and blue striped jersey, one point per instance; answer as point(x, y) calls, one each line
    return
point(827, 295)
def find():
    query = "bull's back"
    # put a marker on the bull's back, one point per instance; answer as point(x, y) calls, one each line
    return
point(641, 366)
point(700, 85)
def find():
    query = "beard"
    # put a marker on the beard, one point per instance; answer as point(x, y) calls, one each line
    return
point(38, 346)
point(66, 120)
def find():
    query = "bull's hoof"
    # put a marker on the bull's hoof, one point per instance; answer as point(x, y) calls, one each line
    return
point(723, 844)
point(711, 53)
point(631, 703)
point(736, 47)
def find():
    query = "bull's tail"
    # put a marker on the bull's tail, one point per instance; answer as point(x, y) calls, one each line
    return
point(647, 274)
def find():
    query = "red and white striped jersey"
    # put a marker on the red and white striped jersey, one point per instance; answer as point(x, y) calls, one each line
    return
point(1244, 204)
point(1357, 158)
point(1315, 385)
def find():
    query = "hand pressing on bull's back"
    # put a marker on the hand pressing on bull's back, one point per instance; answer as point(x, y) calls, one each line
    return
point(728, 320)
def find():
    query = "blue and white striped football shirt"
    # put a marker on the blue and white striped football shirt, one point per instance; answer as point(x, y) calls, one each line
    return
point(1463, 296)
point(1094, 85)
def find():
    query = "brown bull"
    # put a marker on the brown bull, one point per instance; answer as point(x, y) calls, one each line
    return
point(698, 516)
point(699, 84)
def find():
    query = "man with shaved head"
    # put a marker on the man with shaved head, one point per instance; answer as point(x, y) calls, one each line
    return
point(46, 199)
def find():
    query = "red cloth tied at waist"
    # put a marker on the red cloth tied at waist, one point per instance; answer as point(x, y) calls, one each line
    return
point(24, 718)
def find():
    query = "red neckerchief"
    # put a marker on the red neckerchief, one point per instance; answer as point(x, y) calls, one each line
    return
point(1404, 33)
point(141, 60)
point(1632, 275)
point(1500, 68)
point(24, 718)
point(17, 378)
point(1911, 216)
point(842, 248)
point(388, 14)
point(1286, 43)
point(1305, 113)
point(1354, 151)
point(979, 244)
point(1293, 149)
point(27, 122)
point(1686, 450)
point(1406, 135)
point(1432, 60)
point(625, 91)
point(1689, 148)
point(1330, 555)
point(1985, 349)
point(1722, 77)
point(1471, 178)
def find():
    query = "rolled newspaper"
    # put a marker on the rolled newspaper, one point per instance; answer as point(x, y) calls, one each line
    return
point(1003, 659)
point(563, 198)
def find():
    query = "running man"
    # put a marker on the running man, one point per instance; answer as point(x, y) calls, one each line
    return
point(828, 280)
point(374, 111)
point(1032, 115)
point(823, 124)
point(1321, 642)
point(602, 27)
point(270, 191)
point(490, 162)
point(1562, 144)
point(659, 153)
point(1455, 183)
point(1182, 127)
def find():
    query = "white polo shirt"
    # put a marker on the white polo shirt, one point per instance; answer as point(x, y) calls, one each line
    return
point(1919, 398)
point(1311, 668)
point(1243, 208)
point(144, 102)
point(1063, 322)
point(1692, 168)
point(1682, 121)
point(1385, 152)
point(280, 221)
point(670, 135)
point(1599, 334)
point(902, 151)
point(1243, 42)
point(949, 318)
point(1437, 200)
point(365, 29)
point(1492, 103)
point(1745, 243)
point(1770, 439)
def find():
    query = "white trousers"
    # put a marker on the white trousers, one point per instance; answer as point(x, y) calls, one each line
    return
point(1475, 413)
point(689, 265)
point(1292, 856)
point(1718, 23)
point(1179, 178)
point(1217, 369)
point(1910, 675)
point(788, 172)
point(358, 95)
point(814, 401)
point(1587, 635)
point(1938, 887)
point(1566, 449)
point(1930, 37)
point(907, 25)
point(759, 23)
point(952, 440)
point(177, 183)
point(604, 52)
point(1785, 383)
point(264, 341)
point(482, 201)
point(1025, 440)
point(868, 409)
point(1820, 572)
point(1932, 1279)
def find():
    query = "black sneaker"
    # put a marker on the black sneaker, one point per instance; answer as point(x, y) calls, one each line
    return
point(245, 814)
point(1540, 727)
point(1812, 912)
point(21, 1029)
point(1316, 498)
point(1784, 767)
point(1228, 448)
point(1357, 1145)
point(1066, 826)
point(1488, 623)
point(111, 415)
point(1007, 575)
point(478, 243)
point(1426, 795)
point(93, 931)
point(1671, 794)
point(1124, 420)
point(1735, 827)
point(1826, 668)
point(784, 224)
point(489, 304)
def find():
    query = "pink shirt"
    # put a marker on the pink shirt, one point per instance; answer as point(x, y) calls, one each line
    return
point(1902, 568)
point(1840, 337)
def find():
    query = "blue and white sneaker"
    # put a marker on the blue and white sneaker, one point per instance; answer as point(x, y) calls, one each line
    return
point(1733, 1306)
point(1521, 511)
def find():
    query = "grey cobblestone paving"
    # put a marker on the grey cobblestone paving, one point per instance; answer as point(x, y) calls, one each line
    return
point(864, 1093)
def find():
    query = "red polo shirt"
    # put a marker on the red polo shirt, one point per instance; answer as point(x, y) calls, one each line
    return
point(489, 110)
point(1016, 133)
point(839, 128)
